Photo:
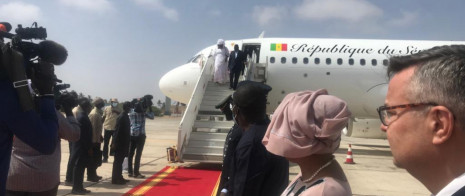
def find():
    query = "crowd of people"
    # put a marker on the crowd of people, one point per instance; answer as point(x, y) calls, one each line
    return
point(423, 116)
point(33, 171)
point(127, 127)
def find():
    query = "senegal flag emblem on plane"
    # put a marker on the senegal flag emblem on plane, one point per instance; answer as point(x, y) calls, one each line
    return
point(278, 47)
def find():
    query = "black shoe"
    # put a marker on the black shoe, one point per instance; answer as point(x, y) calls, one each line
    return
point(139, 176)
point(119, 182)
point(105, 161)
point(94, 179)
point(130, 175)
point(68, 183)
point(80, 192)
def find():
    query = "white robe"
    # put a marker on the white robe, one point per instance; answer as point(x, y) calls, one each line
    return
point(220, 73)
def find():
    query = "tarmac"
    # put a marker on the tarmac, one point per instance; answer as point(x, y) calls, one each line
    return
point(372, 174)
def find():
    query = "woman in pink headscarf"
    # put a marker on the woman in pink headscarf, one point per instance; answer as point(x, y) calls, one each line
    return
point(306, 129)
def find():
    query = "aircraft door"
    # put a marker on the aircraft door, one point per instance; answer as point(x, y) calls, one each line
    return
point(255, 71)
point(249, 49)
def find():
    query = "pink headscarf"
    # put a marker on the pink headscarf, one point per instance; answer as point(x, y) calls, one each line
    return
point(306, 123)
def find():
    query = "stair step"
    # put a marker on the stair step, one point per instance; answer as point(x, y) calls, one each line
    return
point(202, 117)
point(220, 93)
point(213, 124)
point(207, 136)
point(206, 143)
point(207, 158)
point(206, 112)
point(204, 150)
point(208, 108)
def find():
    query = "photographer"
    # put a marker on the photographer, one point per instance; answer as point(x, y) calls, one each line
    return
point(38, 128)
point(137, 118)
point(33, 173)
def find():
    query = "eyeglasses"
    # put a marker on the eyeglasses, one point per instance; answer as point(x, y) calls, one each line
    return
point(386, 117)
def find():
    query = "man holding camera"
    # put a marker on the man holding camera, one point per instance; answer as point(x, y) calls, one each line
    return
point(33, 173)
point(137, 118)
point(38, 129)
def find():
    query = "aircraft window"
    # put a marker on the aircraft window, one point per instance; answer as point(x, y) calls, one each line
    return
point(351, 61)
point(374, 62)
point(317, 61)
point(272, 60)
point(362, 62)
point(305, 60)
point(339, 61)
point(283, 60)
point(294, 60)
point(328, 61)
point(385, 62)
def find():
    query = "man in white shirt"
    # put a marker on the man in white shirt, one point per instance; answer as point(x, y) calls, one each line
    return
point(424, 117)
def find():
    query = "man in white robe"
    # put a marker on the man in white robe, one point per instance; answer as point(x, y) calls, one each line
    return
point(221, 54)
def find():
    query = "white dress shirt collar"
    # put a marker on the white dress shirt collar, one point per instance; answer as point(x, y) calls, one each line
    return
point(453, 186)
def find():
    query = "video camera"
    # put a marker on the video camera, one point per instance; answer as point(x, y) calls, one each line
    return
point(60, 87)
point(144, 105)
point(29, 65)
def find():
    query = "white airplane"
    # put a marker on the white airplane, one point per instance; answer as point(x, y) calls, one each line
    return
point(352, 69)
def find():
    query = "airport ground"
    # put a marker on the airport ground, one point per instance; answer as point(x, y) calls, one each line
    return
point(372, 174)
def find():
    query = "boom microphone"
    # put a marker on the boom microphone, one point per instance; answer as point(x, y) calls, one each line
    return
point(4, 26)
point(52, 52)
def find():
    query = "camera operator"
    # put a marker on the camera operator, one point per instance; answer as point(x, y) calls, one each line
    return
point(33, 173)
point(137, 118)
point(38, 129)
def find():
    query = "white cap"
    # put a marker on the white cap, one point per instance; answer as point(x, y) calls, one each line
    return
point(220, 42)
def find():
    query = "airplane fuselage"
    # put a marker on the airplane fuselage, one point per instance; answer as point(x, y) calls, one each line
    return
point(352, 69)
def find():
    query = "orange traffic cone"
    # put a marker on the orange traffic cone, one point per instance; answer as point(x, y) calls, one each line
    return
point(349, 159)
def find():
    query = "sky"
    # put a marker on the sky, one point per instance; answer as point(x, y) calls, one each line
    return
point(121, 48)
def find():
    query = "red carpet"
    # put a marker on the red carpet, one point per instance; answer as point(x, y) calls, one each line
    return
point(172, 181)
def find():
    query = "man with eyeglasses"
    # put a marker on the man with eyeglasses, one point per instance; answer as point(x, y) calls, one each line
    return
point(424, 117)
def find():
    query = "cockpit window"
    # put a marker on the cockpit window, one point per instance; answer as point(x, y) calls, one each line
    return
point(195, 59)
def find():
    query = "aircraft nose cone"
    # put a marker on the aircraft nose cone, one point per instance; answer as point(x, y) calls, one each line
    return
point(178, 84)
point(166, 84)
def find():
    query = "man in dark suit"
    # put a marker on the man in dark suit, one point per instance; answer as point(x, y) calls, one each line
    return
point(120, 144)
point(254, 170)
point(82, 149)
point(236, 66)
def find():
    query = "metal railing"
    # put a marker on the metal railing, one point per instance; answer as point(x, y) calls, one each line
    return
point(188, 119)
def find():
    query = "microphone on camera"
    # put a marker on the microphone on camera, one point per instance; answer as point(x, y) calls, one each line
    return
point(4, 26)
point(52, 52)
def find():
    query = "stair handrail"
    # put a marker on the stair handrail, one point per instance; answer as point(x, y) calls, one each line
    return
point(192, 109)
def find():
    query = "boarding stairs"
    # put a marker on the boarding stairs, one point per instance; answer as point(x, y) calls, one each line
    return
point(203, 128)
